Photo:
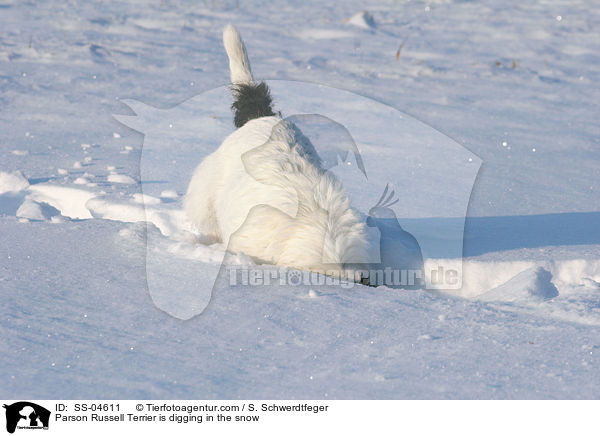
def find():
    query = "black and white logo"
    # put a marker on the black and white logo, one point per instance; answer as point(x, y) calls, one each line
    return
point(26, 415)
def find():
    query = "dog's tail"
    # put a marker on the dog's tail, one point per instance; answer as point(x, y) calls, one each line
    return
point(252, 100)
point(239, 65)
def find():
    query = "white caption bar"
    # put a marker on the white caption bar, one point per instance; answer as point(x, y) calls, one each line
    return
point(265, 417)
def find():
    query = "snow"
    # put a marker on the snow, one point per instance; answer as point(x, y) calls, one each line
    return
point(529, 285)
point(120, 178)
point(30, 210)
point(12, 182)
point(87, 202)
point(362, 19)
point(168, 194)
point(69, 201)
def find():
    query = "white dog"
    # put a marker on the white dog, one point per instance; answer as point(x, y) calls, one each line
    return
point(263, 192)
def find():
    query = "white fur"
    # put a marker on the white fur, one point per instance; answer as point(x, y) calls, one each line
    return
point(239, 66)
point(263, 193)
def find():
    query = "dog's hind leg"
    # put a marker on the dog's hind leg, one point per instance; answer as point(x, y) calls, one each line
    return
point(199, 202)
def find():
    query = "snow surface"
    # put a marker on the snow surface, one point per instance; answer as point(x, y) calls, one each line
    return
point(514, 83)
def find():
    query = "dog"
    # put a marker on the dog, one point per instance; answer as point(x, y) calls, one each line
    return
point(264, 191)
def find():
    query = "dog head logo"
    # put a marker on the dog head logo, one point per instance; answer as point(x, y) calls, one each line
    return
point(272, 191)
point(431, 174)
point(26, 415)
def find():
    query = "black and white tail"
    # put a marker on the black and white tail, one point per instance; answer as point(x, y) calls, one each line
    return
point(252, 100)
